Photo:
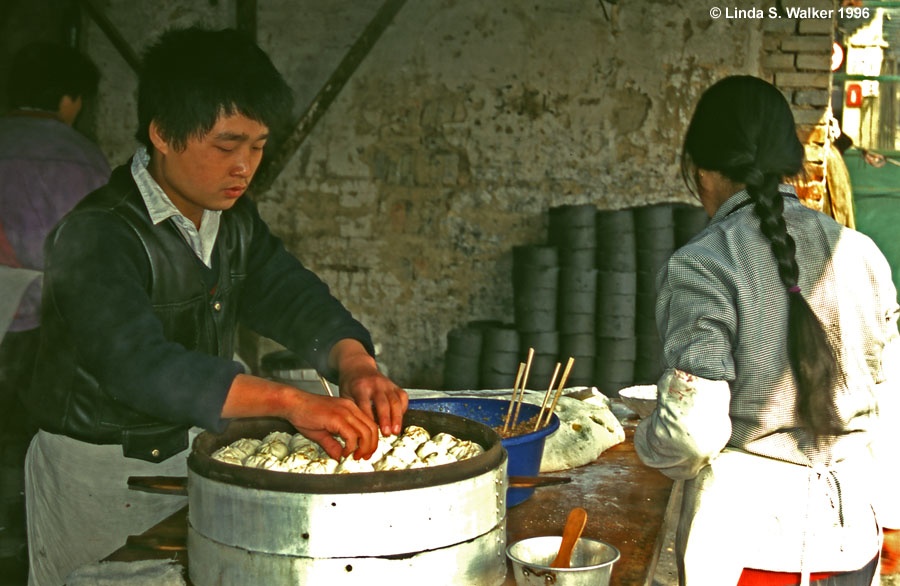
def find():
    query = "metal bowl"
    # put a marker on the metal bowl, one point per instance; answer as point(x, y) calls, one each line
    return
point(641, 399)
point(591, 563)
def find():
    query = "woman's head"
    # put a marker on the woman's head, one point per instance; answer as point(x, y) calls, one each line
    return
point(742, 128)
point(43, 73)
point(190, 77)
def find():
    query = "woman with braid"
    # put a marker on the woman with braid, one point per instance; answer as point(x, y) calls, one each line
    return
point(776, 323)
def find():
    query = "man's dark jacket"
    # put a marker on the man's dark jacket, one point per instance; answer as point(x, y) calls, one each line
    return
point(137, 334)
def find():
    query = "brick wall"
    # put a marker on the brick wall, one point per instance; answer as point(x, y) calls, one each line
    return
point(797, 59)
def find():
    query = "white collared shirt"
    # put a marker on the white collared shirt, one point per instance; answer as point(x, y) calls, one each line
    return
point(161, 208)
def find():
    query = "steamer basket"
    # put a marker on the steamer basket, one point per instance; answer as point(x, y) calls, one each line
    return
point(260, 526)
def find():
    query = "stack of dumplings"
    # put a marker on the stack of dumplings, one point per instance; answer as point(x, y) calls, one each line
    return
point(283, 452)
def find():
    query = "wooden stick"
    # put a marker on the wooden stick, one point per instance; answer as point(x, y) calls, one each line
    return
point(562, 383)
point(547, 396)
point(512, 401)
point(524, 381)
point(326, 385)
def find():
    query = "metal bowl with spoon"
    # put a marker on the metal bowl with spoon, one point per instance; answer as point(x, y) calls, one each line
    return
point(570, 560)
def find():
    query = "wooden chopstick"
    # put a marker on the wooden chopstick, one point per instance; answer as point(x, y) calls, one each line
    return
point(562, 384)
point(547, 397)
point(326, 385)
point(524, 381)
point(512, 401)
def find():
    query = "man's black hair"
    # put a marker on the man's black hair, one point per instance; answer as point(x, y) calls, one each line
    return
point(42, 73)
point(191, 76)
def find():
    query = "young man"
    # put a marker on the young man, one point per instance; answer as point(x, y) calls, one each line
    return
point(146, 281)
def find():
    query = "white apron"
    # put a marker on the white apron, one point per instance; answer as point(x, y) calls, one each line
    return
point(78, 504)
point(748, 511)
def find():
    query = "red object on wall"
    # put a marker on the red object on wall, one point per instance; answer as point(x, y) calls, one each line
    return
point(854, 95)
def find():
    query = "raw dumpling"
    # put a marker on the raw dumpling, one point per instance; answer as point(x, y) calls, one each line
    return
point(296, 462)
point(438, 458)
point(282, 436)
point(465, 449)
point(274, 447)
point(229, 455)
point(321, 466)
point(351, 465)
point(246, 445)
point(260, 461)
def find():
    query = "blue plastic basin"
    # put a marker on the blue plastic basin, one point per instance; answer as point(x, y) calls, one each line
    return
point(524, 451)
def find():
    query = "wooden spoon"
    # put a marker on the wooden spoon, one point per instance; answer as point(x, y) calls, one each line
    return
point(571, 532)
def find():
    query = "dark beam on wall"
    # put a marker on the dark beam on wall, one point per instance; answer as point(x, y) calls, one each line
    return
point(112, 33)
point(321, 102)
point(71, 24)
point(245, 18)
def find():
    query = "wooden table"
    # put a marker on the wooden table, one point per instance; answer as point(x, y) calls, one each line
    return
point(627, 505)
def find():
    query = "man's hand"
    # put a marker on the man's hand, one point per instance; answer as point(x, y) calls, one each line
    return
point(360, 380)
point(320, 418)
point(316, 416)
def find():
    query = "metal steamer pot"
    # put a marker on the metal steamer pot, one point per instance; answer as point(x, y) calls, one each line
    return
point(440, 525)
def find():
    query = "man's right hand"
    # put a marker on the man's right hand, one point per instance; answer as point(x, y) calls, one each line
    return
point(320, 418)
point(317, 417)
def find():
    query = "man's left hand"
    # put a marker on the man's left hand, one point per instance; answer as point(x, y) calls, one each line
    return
point(360, 380)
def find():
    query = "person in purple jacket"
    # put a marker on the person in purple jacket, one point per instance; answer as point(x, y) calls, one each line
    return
point(46, 167)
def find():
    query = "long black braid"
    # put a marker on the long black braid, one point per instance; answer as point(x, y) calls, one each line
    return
point(810, 353)
point(744, 129)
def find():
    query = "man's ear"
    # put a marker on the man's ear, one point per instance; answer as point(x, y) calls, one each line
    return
point(159, 143)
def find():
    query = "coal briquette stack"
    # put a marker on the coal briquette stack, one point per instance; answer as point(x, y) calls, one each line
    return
point(655, 227)
point(616, 342)
point(535, 286)
point(500, 357)
point(535, 291)
point(577, 320)
point(616, 245)
point(546, 355)
point(689, 221)
point(614, 364)
point(616, 300)
point(462, 360)
point(573, 230)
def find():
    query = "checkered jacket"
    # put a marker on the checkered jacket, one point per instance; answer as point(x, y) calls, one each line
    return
point(722, 315)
